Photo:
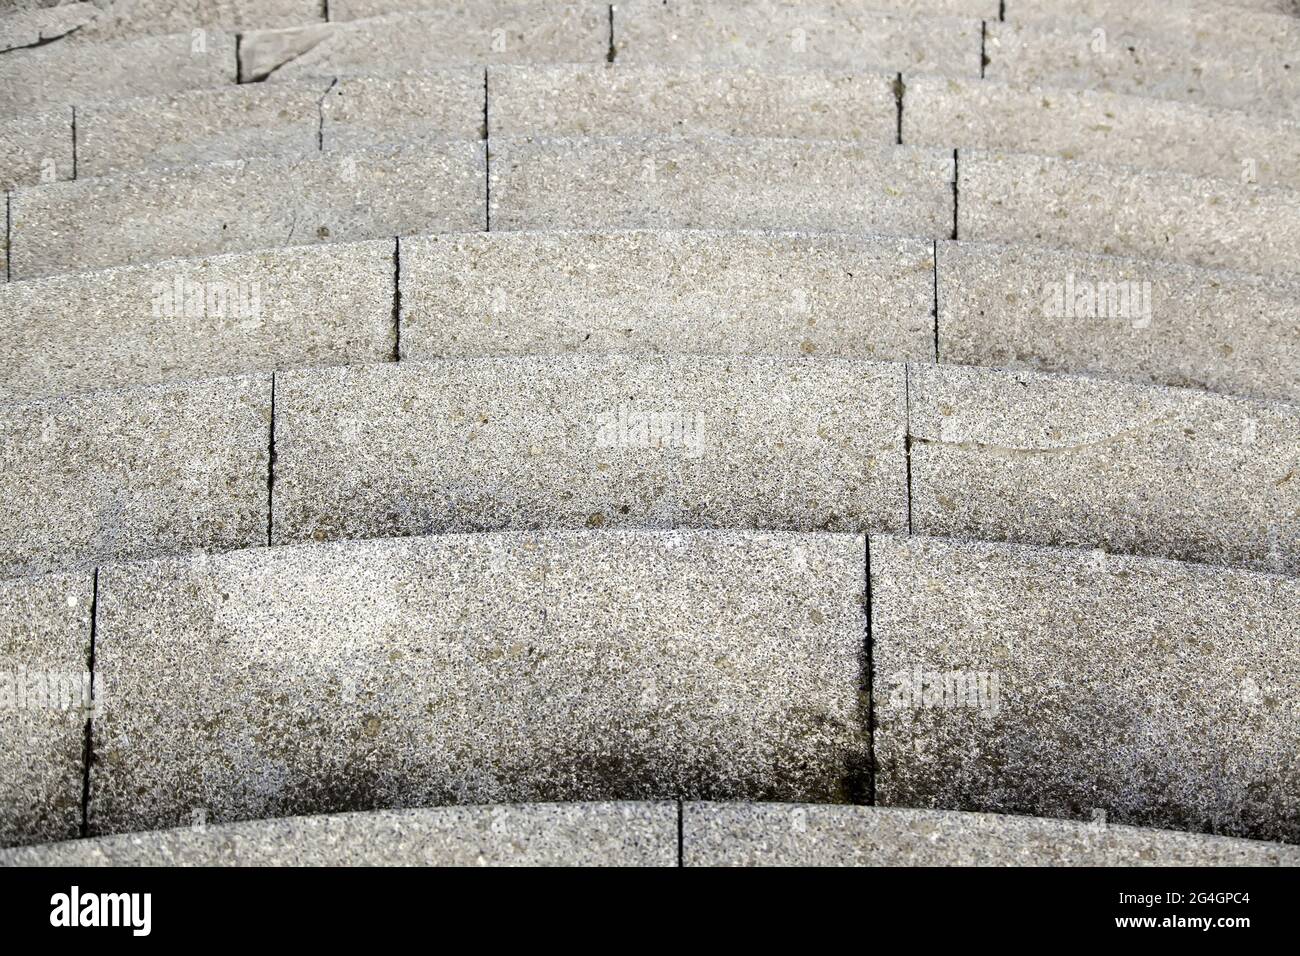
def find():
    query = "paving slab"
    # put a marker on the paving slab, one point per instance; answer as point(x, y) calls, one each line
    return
point(767, 35)
point(1148, 322)
point(1102, 128)
point(1086, 686)
point(617, 100)
point(36, 148)
point(131, 18)
point(673, 182)
point(64, 74)
point(479, 669)
point(579, 441)
point(245, 205)
point(1198, 221)
point(44, 693)
point(748, 834)
point(1044, 459)
point(403, 108)
point(522, 293)
point(356, 9)
point(455, 35)
point(158, 469)
point(195, 318)
point(540, 834)
point(42, 25)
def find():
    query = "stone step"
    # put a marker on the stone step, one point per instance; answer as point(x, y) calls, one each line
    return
point(577, 441)
point(771, 34)
point(237, 206)
point(1133, 319)
point(1078, 685)
point(1017, 197)
point(1043, 459)
point(133, 472)
point(1147, 66)
point(357, 9)
point(41, 25)
point(479, 668)
point(128, 19)
point(455, 35)
point(193, 318)
point(719, 183)
point(1102, 128)
point(36, 148)
point(773, 834)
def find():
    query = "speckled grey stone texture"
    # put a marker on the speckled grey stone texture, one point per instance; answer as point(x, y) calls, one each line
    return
point(544, 834)
point(128, 18)
point(41, 25)
point(44, 687)
point(1027, 307)
point(480, 669)
point(36, 148)
point(149, 470)
point(703, 182)
point(1006, 197)
point(1103, 128)
point(768, 35)
point(520, 293)
point(356, 9)
point(196, 318)
point(406, 107)
point(747, 834)
point(1046, 459)
point(616, 100)
point(1156, 693)
point(238, 206)
point(595, 441)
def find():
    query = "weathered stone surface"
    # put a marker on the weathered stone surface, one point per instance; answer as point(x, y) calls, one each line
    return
point(521, 293)
point(1102, 128)
point(128, 18)
point(356, 9)
point(764, 834)
point(1149, 322)
point(64, 74)
point(196, 318)
point(1158, 694)
point(1042, 459)
point(44, 685)
point(201, 126)
point(1149, 65)
point(480, 668)
point(35, 27)
point(543, 834)
point(405, 107)
point(36, 148)
point(118, 474)
point(1004, 197)
point(454, 35)
point(239, 206)
point(589, 441)
point(673, 182)
point(617, 100)
point(828, 35)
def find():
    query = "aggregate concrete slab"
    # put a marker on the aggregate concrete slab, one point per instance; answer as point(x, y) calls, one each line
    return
point(404, 107)
point(618, 100)
point(1082, 685)
point(44, 688)
point(453, 35)
point(117, 474)
point(577, 441)
point(521, 293)
point(1102, 128)
point(195, 318)
point(36, 148)
point(676, 182)
point(748, 834)
point(41, 25)
point(1045, 459)
point(767, 35)
point(1145, 321)
point(201, 126)
point(539, 834)
point(1015, 197)
point(356, 9)
point(131, 18)
point(239, 206)
point(480, 669)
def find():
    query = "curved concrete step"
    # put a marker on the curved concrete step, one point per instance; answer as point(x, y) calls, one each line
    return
point(1011, 197)
point(40, 25)
point(670, 182)
point(228, 207)
point(1099, 127)
point(127, 19)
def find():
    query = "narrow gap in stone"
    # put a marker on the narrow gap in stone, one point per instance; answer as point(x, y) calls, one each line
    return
point(936, 301)
point(609, 57)
point(955, 177)
point(900, 88)
point(984, 60)
point(320, 115)
point(325, 10)
point(487, 159)
point(88, 747)
point(680, 814)
point(9, 250)
point(239, 58)
point(871, 686)
point(397, 298)
point(907, 437)
point(1002, 11)
point(270, 468)
point(74, 142)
